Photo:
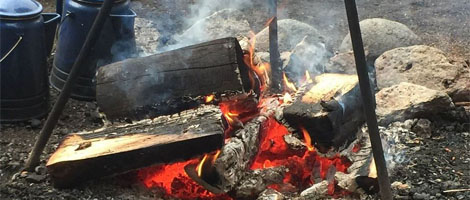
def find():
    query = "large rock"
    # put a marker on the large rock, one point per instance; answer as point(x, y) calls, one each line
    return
point(409, 101)
point(290, 33)
point(426, 66)
point(343, 63)
point(380, 35)
point(308, 55)
point(223, 23)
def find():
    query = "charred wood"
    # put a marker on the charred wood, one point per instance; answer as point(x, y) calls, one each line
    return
point(170, 82)
point(330, 110)
point(115, 150)
point(256, 181)
point(238, 153)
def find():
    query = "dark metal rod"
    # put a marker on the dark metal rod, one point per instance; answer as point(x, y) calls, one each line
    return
point(51, 122)
point(274, 55)
point(368, 99)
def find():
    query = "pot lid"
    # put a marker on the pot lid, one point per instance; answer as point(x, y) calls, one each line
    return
point(19, 8)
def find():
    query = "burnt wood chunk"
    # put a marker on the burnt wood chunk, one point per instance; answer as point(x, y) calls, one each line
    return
point(330, 109)
point(115, 150)
point(171, 81)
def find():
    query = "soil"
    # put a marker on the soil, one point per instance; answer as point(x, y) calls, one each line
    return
point(432, 164)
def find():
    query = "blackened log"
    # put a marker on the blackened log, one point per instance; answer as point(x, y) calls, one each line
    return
point(115, 150)
point(170, 82)
point(330, 110)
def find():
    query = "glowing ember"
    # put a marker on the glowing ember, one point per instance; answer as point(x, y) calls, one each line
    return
point(308, 140)
point(274, 151)
point(171, 180)
point(209, 98)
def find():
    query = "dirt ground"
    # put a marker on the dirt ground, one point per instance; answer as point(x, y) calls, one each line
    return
point(440, 163)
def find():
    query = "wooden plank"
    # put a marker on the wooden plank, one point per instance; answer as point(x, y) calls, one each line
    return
point(115, 150)
point(171, 81)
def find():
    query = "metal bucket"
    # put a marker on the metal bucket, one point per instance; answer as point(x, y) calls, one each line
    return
point(117, 42)
point(26, 41)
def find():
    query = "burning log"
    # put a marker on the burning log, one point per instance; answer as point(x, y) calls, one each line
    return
point(116, 150)
point(329, 109)
point(238, 153)
point(169, 82)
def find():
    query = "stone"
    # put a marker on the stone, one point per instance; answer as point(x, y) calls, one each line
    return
point(426, 66)
point(407, 101)
point(343, 63)
point(421, 196)
point(423, 128)
point(221, 24)
point(290, 33)
point(307, 55)
point(400, 186)
point(35, 123)
point(380, 35)
point(35, 178)
point(147, 36)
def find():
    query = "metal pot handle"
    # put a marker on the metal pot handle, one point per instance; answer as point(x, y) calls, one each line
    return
point(13, 48)
point(131, 14)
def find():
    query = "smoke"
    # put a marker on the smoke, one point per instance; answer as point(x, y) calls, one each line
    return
point(209, 20)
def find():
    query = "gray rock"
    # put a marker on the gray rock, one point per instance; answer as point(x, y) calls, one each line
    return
point(380, 35)
point(421, 196)
point(308, 55)
point(423, 128)
point(426, 66)
point(35, 178)
point(223, 23)
point(35, 123)
point(146, 35)
point(290, 33)
point(408, 101)
point(342, 63)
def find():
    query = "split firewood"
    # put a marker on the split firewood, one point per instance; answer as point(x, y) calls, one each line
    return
point(170, 82)
point(115, 150)
point(330, 109)
point(238, 153)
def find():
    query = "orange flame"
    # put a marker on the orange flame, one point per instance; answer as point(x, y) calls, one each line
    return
point(308, 140)
point(288, 86)
point(215, 156)
point(199, 166)
point(307, 78)
point(209, 156)
point(262, 70)
point(372, 169)
point(209, 98)
point(268, 22)
point(230, 117)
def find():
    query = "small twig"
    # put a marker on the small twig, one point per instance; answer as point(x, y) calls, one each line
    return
point(457, 190)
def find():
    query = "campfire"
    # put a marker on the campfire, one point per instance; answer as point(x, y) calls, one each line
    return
point(239, 141)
